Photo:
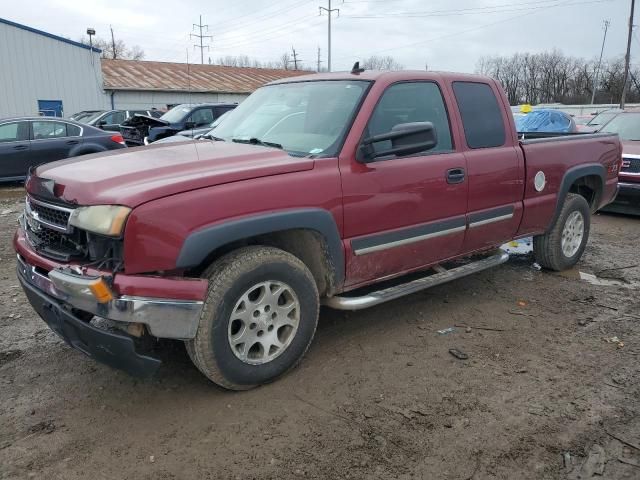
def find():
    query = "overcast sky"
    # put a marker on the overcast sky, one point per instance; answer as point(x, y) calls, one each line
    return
point(446, 35)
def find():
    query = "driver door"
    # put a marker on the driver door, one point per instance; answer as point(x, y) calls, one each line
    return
point(404, 213)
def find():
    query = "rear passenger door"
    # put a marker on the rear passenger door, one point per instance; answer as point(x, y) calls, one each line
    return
point(14, 149)
point(495, 166)
point(402, 213)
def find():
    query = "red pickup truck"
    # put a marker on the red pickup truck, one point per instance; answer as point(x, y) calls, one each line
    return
point(326, 189)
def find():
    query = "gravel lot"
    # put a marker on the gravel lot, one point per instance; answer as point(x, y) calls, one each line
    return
point(542, 395)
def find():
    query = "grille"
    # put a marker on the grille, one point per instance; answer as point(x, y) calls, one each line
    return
point(50, 215)
point(53, 243)
point(630, 165)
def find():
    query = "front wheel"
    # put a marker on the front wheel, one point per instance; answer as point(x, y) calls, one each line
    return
point(259, 317)
point(562, 246)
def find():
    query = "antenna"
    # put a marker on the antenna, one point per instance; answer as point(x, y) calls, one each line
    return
point(356, 70)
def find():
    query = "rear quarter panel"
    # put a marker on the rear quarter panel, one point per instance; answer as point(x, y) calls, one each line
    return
point(555, 157)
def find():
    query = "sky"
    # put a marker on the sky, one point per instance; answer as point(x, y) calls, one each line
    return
point(445, 35)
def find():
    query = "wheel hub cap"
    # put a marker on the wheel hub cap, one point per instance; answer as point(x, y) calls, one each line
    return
point(264, 322)
point(572, 234)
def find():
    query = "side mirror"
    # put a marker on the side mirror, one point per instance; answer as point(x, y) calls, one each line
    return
point(406, 139)
point(189, 125)
point(102, 123)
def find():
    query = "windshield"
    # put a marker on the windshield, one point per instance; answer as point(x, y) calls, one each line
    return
point(304, 117)
point(626, 125)
point(86, 118)
point(602, 118)
point(177, 113)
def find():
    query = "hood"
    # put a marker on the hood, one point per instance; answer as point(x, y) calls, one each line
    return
point(630, 148)
point(139, 120)
point(133, 176)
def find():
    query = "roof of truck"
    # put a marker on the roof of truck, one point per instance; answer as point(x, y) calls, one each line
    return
point(372, 75)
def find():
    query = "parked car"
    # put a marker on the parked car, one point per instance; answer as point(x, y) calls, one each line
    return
point(196, 133)
point(142, 130)
point(582, 119)
point(599, 120)
point(547, 121)
point(29, 141)
point(627, 126)
point(318, 189)
point(83, 114)
point(111, 120)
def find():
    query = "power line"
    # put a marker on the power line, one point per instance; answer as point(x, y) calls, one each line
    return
point(201, 37)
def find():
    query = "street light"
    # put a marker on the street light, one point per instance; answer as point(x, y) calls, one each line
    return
point(91, 32)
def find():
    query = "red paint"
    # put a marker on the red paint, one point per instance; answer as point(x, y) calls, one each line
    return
point(177, 189)
point(134, 285)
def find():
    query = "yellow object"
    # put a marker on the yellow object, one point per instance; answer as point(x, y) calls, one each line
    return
point(525, 108)
point(101, 290)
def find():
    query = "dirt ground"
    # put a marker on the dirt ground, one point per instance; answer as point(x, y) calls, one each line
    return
point(378, 396)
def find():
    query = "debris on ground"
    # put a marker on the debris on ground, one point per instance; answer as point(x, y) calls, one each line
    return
point(566, 461)
point(536, 266)
point(460, 355)
point(446, 331)
point(523, 246)
point(594, 464)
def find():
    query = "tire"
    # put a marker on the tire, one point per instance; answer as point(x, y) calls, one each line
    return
point(238, 284)
point(548, 248)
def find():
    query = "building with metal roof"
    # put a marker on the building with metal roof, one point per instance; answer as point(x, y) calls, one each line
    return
point(135, 84)
point(46, 74)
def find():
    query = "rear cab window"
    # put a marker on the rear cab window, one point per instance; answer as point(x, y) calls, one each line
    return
point(481, 114)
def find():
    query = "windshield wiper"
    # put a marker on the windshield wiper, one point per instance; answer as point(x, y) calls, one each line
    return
point(257, 141)
point(212, 137)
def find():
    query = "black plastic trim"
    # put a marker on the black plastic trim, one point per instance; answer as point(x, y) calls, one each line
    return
point(198, 245)
point(113, 349)
point(379, 240)
point(570, 177)
point(489, 214)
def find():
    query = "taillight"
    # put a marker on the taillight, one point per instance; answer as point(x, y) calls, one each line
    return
point(118, 139)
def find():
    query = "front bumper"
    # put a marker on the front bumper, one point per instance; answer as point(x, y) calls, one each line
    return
point(164, 318)
point(114, 349)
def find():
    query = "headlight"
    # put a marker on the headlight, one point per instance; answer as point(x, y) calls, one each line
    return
point(102, 219)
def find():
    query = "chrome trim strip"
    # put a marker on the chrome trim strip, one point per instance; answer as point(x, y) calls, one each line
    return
point(630, 155)
point(164, 317)
point(631, 186)
point(391, 293)
point(407, 241)
point(491, 220)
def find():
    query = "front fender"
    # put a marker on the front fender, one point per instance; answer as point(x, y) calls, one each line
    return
point(199, 244)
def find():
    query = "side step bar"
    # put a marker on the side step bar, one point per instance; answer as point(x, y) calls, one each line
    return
point(391, 293)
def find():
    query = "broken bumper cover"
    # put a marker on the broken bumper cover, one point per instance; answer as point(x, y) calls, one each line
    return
point(164, 318)
point(113, 349)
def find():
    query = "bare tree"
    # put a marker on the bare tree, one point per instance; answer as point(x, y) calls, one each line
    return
point(121, 50)
point(376, 62)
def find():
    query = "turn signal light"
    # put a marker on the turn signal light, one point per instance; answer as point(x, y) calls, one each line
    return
point(101, 290)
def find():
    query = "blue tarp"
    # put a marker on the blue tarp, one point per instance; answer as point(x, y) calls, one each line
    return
point(545, 121)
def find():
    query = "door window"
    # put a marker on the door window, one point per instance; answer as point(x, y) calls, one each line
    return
point(73, 130)
point(481, 114)
point(13, 132)
point(46, 130)
point(410, 102)
point(201, 117)
point(114, 118)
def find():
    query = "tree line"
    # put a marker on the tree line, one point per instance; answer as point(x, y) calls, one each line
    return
point(552, 77)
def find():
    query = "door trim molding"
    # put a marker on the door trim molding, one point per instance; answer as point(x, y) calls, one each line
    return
point(491, 216)
point(406, 236)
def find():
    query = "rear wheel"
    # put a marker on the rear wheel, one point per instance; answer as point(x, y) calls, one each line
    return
point(562, 246)
point(259, 317)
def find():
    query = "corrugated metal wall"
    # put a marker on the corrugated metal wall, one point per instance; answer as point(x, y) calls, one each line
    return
point(34, 67)
point(137, 100)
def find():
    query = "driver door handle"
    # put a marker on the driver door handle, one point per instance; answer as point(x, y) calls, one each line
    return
point(455, 175)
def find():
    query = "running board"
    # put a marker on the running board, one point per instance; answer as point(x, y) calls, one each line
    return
point(397, 291)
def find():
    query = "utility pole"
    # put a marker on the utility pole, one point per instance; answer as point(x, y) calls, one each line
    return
point(201, 37)
point(319, 61)
point(113, 44)
point(595, 79)
point(295, 58)
point(329, 11)
point(627, 57)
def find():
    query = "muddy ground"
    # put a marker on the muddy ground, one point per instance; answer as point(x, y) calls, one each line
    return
point(378, 396)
